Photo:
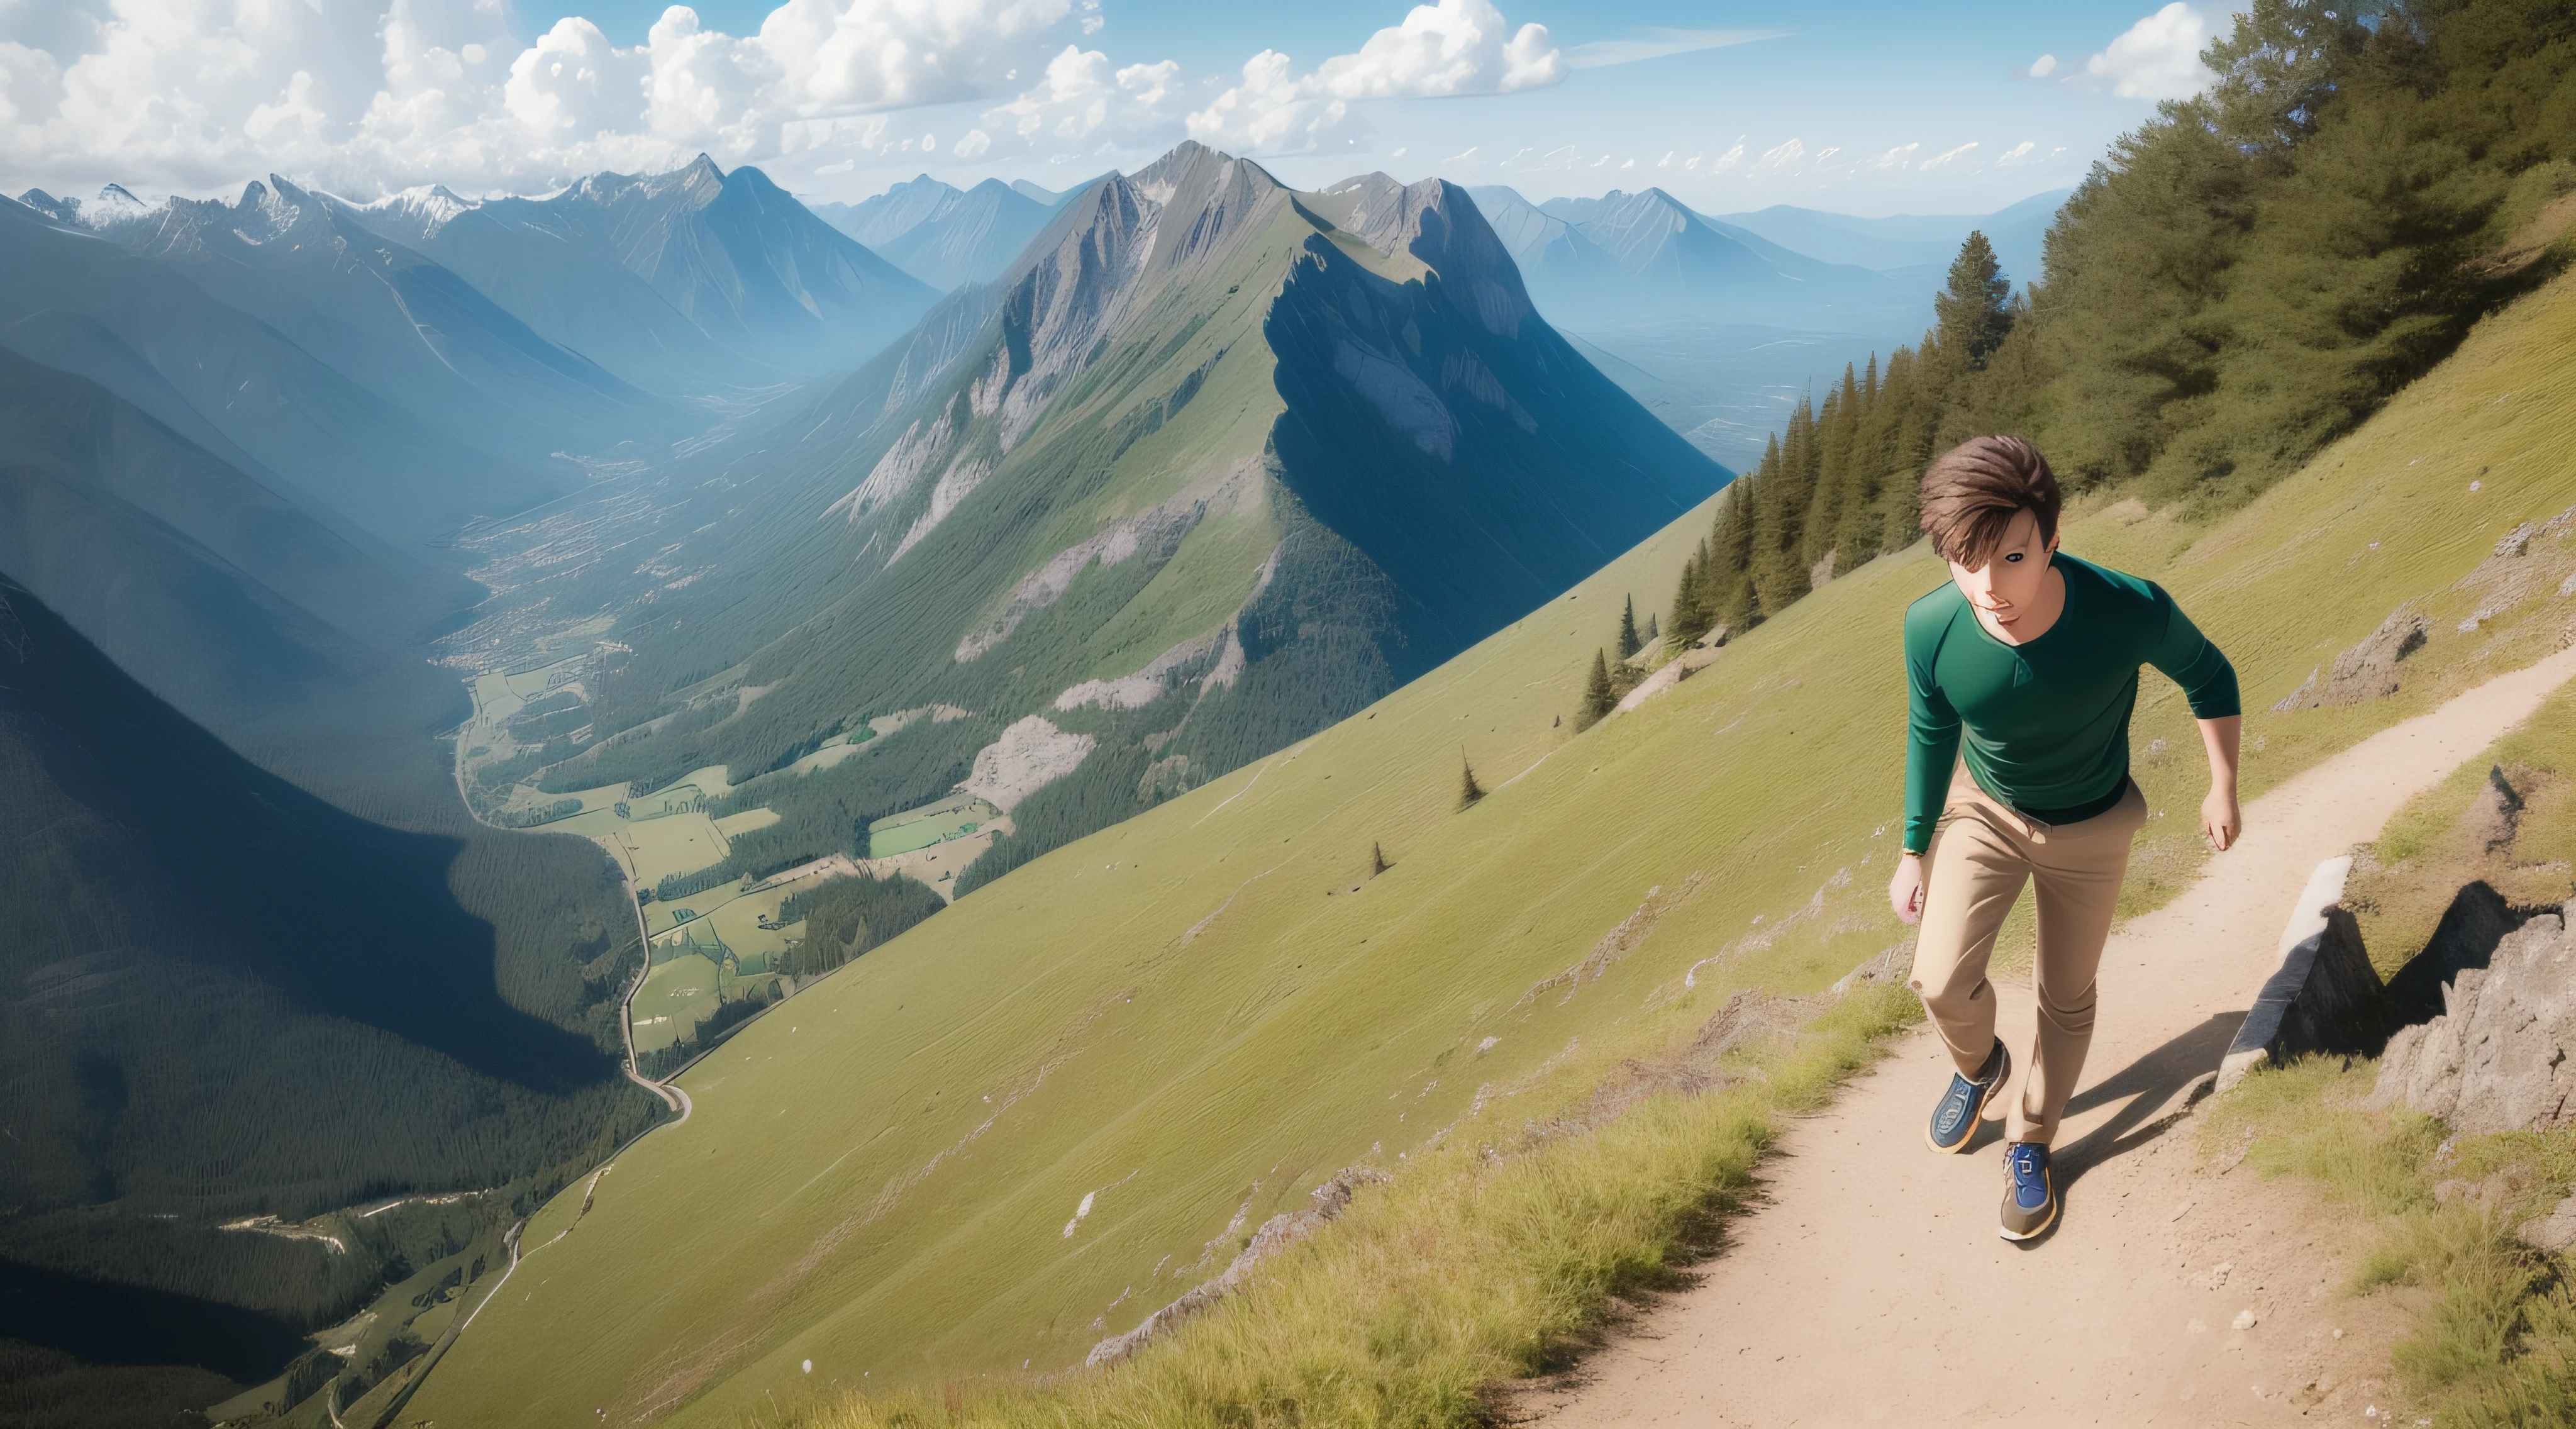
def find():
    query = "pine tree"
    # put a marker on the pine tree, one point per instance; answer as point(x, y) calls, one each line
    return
point(1598, 696)
point(1782, 487)
point(1692, 612)
point(1652, 634)
point(1629, 641)
point(1974, 311)
point(1469, 791)
point(1377, 860)
point(1727, 582)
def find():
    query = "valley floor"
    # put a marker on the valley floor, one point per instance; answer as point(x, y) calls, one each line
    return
point(1910, 1309)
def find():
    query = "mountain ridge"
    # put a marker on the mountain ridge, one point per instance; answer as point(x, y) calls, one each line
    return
point(751, 286)
point(1247, 456)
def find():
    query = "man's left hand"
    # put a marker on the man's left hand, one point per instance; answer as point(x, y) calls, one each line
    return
point(2219, 818)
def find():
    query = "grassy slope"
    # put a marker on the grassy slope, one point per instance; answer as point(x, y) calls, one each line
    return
point(2494, 1333)
point(850, 1196)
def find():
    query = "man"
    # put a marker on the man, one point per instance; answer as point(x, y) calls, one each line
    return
point(2023, 671)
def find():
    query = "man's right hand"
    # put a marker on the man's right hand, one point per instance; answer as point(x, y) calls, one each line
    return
point(1905, 890)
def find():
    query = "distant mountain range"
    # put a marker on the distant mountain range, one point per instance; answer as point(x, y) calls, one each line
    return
point(751, 286)
point(1644, 255)
point(1910, 243)
point(1213, 464)
point(1720, 324)
point(946, 236)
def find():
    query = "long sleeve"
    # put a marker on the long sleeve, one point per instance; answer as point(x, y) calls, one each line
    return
point(1931, 745)
point(2193, 661)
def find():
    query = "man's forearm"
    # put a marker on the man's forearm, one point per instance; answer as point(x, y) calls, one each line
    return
point(2220, 736)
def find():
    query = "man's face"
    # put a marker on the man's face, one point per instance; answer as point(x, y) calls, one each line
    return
point(2009, 584)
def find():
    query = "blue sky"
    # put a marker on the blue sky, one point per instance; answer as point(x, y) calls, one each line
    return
point(1867, 108)
point(1864, 77)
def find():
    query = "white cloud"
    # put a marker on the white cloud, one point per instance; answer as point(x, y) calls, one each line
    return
point(2156, 58)
point(2043, 67)
point(1659, 42)
point(368, 95)
point(1899, 157)
point(1942, 160)
point(1453, 47)
point(2016, 154)
point(881, 54)
point(1267, 111)
point(1080, 95)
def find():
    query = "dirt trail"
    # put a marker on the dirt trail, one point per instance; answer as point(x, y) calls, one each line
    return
point(1871, 1285)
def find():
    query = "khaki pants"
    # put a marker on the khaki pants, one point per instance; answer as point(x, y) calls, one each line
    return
point(1981, 855)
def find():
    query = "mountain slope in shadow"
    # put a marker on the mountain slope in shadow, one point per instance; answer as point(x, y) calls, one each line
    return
point(385, 317)
point(244, 391)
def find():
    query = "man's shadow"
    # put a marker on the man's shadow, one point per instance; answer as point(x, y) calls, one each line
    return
point(2150, 1086)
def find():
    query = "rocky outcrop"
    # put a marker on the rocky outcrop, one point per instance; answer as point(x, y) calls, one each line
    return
point(2554, 1231)
point(2498, 1058)
point(1029, 756)
point(2367, 671)
point(1326, 1203)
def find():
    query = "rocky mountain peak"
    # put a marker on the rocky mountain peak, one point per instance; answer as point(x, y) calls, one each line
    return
point(1438, 224)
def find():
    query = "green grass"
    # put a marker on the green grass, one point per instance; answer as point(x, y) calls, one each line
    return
point(1197, 1015)
point(2430, 850)
point(2493, 1341)
point(922, 827)
point(681, 990)
point(2494, 1334)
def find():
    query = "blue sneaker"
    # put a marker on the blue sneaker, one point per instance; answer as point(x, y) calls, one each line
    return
point(1954, 1118)
point(2030, 1202)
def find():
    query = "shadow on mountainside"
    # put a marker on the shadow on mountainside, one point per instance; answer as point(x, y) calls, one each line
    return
point(226, 865)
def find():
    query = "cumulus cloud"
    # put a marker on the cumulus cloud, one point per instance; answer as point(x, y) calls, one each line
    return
point(2156, 58)
point(1269, 111)
point(1080, 95)
point(1453, 47)
point(369, 94)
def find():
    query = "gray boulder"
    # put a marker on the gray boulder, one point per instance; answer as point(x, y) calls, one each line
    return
point(2554, 1231)
point(2497, 1059)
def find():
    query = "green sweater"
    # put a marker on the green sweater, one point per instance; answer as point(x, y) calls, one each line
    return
point(2046, 722)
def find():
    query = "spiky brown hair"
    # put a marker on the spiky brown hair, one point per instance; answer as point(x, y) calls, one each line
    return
point(1972, 491)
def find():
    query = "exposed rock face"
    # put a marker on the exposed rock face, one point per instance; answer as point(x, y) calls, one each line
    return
point(2497, 1060)
point(2367, 671)
point(2496, 814)
point(1029, 756)
point(1278, 1233)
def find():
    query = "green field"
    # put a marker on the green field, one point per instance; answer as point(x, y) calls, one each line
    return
point(679, 993)
point(952, 817)
point(1189, 1019)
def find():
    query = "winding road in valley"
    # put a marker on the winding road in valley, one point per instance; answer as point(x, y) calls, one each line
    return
point(1869, 1286)
point(671, 1096)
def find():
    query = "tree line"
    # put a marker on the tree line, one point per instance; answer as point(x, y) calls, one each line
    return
point(2243, 279)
